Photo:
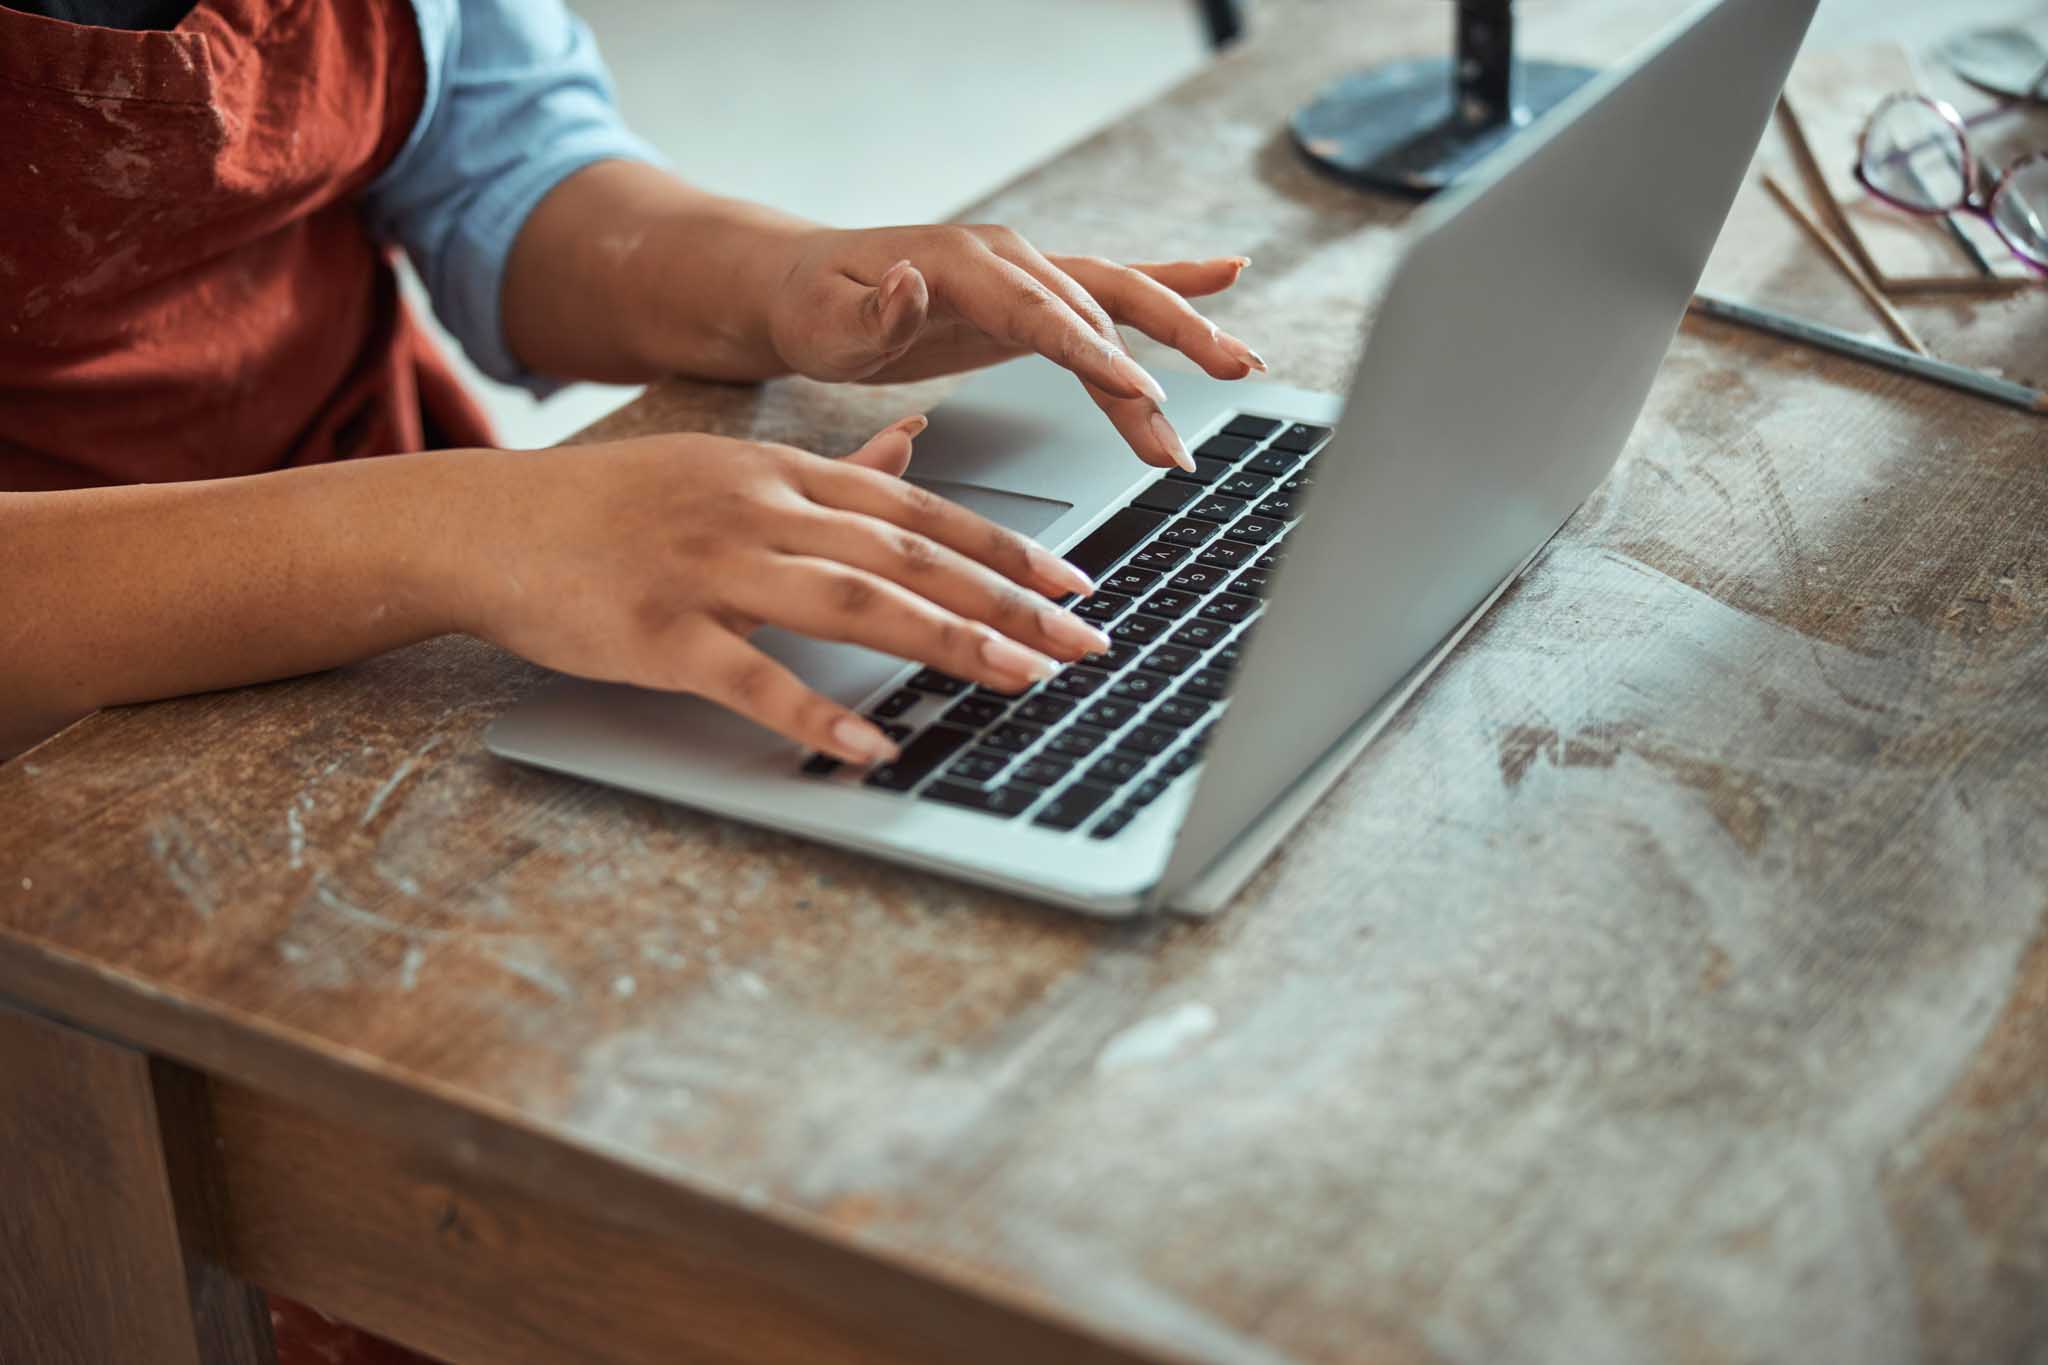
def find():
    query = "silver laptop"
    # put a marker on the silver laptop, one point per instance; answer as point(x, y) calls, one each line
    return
point(1258, 651)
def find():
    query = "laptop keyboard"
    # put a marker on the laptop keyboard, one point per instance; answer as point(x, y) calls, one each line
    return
point(1181, 574)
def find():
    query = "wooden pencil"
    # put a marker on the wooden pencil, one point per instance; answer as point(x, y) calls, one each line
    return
point(1893, 323)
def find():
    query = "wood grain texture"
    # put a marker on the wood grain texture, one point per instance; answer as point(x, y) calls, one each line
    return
point(1666, 985)
point(99, 1260)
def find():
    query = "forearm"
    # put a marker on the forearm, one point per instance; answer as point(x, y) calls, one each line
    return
point(625, 274)
point(126, 594)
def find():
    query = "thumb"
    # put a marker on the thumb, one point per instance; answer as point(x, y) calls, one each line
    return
point(884, 320)
point(889, 450)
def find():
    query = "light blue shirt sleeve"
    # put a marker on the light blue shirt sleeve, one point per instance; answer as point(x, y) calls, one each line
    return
point(517, 100)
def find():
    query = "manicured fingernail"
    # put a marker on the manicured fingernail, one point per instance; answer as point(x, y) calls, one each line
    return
point(1059, 573)
point(860, 742)
point(913, 427)
point(1132, 373)
point(1007, 656)
point(1168, 441)
point(1243, 262)
point(1241, 353)
point(1076, 634)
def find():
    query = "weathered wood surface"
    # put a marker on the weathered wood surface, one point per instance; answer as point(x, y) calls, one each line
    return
point(1670, 983)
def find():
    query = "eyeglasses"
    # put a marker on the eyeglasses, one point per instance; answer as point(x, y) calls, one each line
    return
point(1916, 156)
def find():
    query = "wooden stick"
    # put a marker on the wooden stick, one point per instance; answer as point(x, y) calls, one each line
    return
point(1893, 323)
point(1817, 185)
point(1956, 286)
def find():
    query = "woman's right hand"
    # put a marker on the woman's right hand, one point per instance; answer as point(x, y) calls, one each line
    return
point(651, 561)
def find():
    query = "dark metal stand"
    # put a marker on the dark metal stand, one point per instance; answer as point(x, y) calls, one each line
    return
point(1416, 126)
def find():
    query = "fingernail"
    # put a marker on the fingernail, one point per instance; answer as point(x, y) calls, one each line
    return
point(1168, 441)
point(1007, 656)
point(860, 742)
point(1132, 373)
point(1243, 262)
point(892, 284)
point(1058, 572)
point(913, 427)
point(1241, 353)
point(1077, 634)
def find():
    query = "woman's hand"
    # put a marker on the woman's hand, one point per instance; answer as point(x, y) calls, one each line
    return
point(650, 562)
point(895, 304)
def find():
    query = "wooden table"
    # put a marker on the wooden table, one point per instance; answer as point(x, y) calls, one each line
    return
point(1669, 984)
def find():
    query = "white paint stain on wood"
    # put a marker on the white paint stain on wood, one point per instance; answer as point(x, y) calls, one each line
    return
point(1157, 1038)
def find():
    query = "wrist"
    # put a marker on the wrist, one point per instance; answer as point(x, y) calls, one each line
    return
point(723, 272)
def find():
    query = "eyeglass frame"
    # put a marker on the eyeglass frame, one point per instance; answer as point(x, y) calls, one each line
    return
point(1976, 200)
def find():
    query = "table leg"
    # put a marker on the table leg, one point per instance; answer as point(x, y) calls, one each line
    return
point(105, 1205)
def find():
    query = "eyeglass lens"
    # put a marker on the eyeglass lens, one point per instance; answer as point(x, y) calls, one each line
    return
point(1915, 157)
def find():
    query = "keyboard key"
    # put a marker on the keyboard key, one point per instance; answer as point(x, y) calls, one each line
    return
point(1209, 684)
point(1013, 738)
point(1167, 495)
point(1076, 742)
point(1170, 602)
point(1255, 530)
point(1229, 607)
point(821, 765)
point(1189, 533)
point(1254, 428)
point(895, 704)
point(1228, 449)
point(1198, 579)
point(1301, 437)
point(1111, 713)
point(896, 730)
point(976, 711)
point(1179, 712)
point(1226, 554)
point(1246, 485)
point(1148, 791)
point(1076, 682)
point(1003, 802)
point(1109, 542)
point(1200, 634)
point(1219, 510)
point(1147, 739)
point(1274, 462)
point(937, 683)
point(1104, 607)
point(1139, 630)
point(1300, 480)
point(1139, 687)
point(1227, 657)
point(1122, 654)
point(1180, 760)
point(1280, 507)
point(920, 757)
point(1044, 710)
point(1046, 770)
point(1131, 581)
point(1072, 805)
point(1112, 824)
point(1252, 583)
point(1170, 660)
point(979, 765)
point(1268, 562)
point(1160, 555)
point(1113, 770)
point(1206, 470)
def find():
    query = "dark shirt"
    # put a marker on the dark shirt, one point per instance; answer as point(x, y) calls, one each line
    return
point(136, 14)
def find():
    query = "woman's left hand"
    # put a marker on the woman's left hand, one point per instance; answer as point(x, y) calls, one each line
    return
point(893, 304)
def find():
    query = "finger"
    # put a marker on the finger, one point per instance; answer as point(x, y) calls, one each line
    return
point(852, 327)
point(1195, 279)
point(1133, 297)
point(1146, 429)
point(947, 577)
point(832, 601)
point(852, 488)
point(888, 451)
point(727, 670)
point(1013, 306)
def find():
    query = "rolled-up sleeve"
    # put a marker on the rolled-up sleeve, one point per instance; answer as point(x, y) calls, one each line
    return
point(517, 100)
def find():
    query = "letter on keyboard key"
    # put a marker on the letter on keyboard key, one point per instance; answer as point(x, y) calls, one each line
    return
point(1189, 533)
point(1301, 437)
point(1256, 530)
point(1147, 739)
point(1104, 606)
point(1109, 542)
point(1076, 681)
point(1207, 683)
point(919, 758)
point(1229, 608)
point(1216, 509)
point(1002, 802)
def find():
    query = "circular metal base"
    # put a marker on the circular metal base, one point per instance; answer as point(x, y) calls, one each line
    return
point(1395, 127)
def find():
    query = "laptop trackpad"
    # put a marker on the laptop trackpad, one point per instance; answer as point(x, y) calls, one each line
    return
point(1021, 512)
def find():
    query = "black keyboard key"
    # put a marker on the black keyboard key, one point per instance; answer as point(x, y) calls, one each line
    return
point(1189, 533)
point(1301, 437)
point(1139, 630)
point(1226, 554)
point(977, 711)
point(1207, 683)
point(1139, 686)
point(1179, 712)
point(1254, 428)
point(1255, 530)
point(1274, 462)
point(1268, 562)
point(1076, 742)
point(895, 704)
point(1300, 480)
point(1148, 791)
point(1071, 806)
point(1046, 770)
point(1014, 738)
point(937, 683)
point(979, 765)
point(1170, 602)
point(920, 757)
point(896, 730)
point(1200, 634)
point(1104, 607)
point(1112, 540)
point(1227, 657)
point(1167, 495)
point(1160, 555)
point(1199, 579)
point(1044, 710)
point(1170, 660)
point(1122, 654)
point(1003, 802)
point(1130, 581)
point(821, 765)
point(1112, 824)
point(1252, 582)
point(1206, 470)
point(1228, 607)
point(1246, 485)
point(1111, 713)
point(1180, 760)
point(1228, 449)
point(1280, 507)
point(1076, 682)
point(1113, 770)
point(1147, 739)
point(1218, 510)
